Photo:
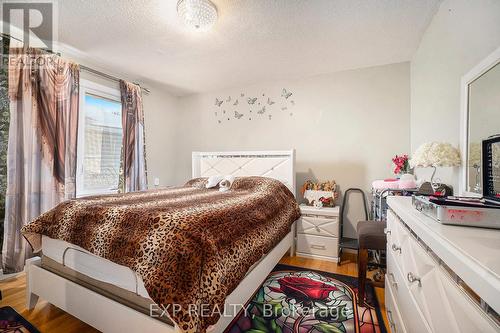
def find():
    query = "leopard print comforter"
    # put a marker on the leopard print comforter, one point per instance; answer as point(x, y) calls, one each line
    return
point(191, 245)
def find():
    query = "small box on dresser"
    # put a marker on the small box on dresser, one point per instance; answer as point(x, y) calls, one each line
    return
point(318, 233)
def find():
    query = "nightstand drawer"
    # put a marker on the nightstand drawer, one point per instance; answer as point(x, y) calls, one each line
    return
point(321, 226)
point(318, 245)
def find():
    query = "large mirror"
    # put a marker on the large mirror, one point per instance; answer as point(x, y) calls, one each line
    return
point(482, 119)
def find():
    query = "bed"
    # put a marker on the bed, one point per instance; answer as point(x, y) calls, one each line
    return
point(112, 298)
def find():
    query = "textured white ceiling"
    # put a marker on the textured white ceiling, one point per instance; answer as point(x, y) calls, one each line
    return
point(253, 40)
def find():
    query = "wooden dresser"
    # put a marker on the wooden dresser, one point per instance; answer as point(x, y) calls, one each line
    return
point(440, 278)
point(318, 233)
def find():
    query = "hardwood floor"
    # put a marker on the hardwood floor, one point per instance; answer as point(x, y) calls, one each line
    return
point(45, 317)
point(48, 318)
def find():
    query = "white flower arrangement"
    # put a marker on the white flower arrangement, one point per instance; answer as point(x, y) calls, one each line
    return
point(434, 154)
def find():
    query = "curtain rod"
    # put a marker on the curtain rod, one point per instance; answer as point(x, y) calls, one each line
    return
point(83, 67)
point(109, 77)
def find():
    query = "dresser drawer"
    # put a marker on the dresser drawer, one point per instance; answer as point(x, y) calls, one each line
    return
point(318, 225)
point(421, 285)
point(445, 306)
point(465, 315)
point(419, 271)
point(317, 245)
point(411, 314)
point(391, 223)
point(396, 324)
point(398, 243)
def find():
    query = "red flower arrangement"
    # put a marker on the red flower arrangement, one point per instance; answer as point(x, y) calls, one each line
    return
point(402, 164)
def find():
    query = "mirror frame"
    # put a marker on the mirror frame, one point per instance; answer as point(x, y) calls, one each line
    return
point(489, 62)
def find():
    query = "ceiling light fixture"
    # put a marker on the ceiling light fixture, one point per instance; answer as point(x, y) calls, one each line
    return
point(200, 15)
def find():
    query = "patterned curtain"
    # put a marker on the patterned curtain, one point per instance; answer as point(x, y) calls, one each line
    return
point(4, 129)
point(41, 157)
point(133, 162)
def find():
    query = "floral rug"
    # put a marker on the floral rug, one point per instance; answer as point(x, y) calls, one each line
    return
point(13, 322)
point(297, 300)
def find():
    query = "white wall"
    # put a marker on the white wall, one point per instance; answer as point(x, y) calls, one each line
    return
point(161, 114)
point(461, 34)
point(345, 126)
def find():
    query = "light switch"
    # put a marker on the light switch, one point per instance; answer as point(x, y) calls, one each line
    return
point(157, 181)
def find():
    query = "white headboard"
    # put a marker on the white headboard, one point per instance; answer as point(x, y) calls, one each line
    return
point(279, 165)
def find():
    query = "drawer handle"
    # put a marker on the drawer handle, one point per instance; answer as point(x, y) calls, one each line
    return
point(412, 278)
point(387, 231)
point(393, 282)
point(318, 247)
point(396, 248)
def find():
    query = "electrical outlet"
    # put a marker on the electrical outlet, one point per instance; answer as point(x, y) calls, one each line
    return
point(157, 181)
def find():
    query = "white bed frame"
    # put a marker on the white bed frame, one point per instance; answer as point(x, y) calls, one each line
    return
point(108, 315)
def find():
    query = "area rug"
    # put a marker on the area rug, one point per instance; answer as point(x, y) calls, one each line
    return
point(13, 322)
point(298, 300)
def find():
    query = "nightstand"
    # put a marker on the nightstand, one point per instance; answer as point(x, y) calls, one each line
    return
point(318, 233)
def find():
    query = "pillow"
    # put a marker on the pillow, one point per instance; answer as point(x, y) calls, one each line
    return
point(226, 183)
point(213, 181)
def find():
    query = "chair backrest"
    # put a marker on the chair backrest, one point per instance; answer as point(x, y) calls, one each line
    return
point(344, 204)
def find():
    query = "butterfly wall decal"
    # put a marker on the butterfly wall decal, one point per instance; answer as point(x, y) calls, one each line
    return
point(256, 104)
point(285, 93)
point(252, 101)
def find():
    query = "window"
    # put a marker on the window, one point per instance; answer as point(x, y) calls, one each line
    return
point(99, 139)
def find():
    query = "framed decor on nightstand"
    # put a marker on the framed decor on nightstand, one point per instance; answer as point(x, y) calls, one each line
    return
point(318, 233)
